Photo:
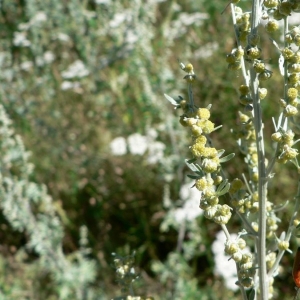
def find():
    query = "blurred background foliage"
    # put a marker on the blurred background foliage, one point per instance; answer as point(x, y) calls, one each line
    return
point(74, 76)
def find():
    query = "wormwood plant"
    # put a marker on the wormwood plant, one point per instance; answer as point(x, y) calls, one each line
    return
point(29, 209)
point(247, 196)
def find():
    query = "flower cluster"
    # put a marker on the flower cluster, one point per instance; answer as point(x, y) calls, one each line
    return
point(244, 260)
point(285, 140)
point(207, 157)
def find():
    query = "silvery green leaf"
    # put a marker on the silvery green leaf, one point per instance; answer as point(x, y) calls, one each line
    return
point(281, 64)
point(227, 157)
point(221, 152)
point(222, 185)
point(224, 190)
point(171, 100)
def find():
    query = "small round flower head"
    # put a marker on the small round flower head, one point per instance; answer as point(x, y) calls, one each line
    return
point(191, 121)
point(259, 67)
point(231, 247)
point(255, 176)
point(242, 243)
point(183, 104)
point(296, 222)
point(239, 53)
point(283, 245)
point(210, 152)
point(247, 282)
point(206, 125)
point(237, 256)
point(253, 52)
point(297, 40)
point(244, 89)
point(223, 214)
point(292, 93)
point(262, 93)
point(213, 201)
point(247, 265)
point(285, 8)
point(230, 58)
point(272, 26)
point(277, 15)
point(294, 68)
point(196, 130)
point(189, 68)
point(295, 30)
point(243, 118)
point(247, 257)
point(293, 78)
point(183, 121)
point(287, 53)
point(289, 153)
point(210, 165)
point(218, 180)
point(276, 137)
point(201, 184)
point(288, 136)
point(271, 3)
point(236, 185)
point(209, 192)
point(296, 58)
point(255, 226)
point(210, 212)
point(222, 220)
point(201, 140)
point(255, 196)
point(288, 38)
point(203, 113)
point(290, 111)
point(270, 258)
point(265, 75)
point(294, 102)
point(204, 205)
point(197, 149)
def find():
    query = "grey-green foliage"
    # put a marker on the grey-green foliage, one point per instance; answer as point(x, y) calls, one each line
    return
point(29, 209)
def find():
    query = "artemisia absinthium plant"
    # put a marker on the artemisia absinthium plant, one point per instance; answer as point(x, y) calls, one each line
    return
point(209, 179)
point(248, 195)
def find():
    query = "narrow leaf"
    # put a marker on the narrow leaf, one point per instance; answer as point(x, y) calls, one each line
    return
point(193, 176)
point(227, 158)
point(222, 185)
point(252, 295)
point(171, 100)
point(191, 166)
point(224, 190)
point(221, 152)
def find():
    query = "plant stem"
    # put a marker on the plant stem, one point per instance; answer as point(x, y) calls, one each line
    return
point(263, 182)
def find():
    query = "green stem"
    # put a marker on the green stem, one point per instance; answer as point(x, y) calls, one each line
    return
point(262, 184)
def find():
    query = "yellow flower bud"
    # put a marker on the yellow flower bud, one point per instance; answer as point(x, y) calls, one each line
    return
point(272, 26)
point(253, 52)
point(231, 247)
point(270, 3)
point(247, 282)
point(262, 93)
point(292, 93)
point(283, 245)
